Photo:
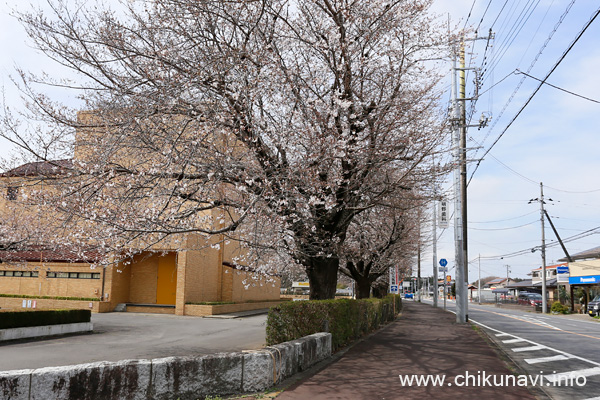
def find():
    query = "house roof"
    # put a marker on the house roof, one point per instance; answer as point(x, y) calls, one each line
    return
point(497, 280)
point(583, 255)
point(549, 283)
point(549, 267)
point(523, 284)
point(45, 255)
point(40, 168)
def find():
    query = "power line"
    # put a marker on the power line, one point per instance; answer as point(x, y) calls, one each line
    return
point(517, 71)
point(502, 220)
point(516, 28)
point(560, 60)
point(517, 253)
point(536, 58)
point(504, 229)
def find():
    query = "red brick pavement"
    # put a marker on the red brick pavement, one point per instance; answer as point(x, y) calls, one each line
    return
point(424, 341)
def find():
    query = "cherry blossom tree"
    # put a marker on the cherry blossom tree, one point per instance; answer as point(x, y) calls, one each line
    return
point(381, 238)
point(200, 115)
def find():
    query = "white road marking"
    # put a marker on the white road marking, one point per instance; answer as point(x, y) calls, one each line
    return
point(593, 398)
point(513, 340)
point(560, 357)
point(503, 334)
point(529, 348)
point(569, 355)
point(565, 376)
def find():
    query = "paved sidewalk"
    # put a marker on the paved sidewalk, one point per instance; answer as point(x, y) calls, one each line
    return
point(423, 341)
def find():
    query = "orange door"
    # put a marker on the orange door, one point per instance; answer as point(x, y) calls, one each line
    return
point(166, 287)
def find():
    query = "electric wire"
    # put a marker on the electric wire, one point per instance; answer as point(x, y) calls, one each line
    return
point(504, 229)
point(517, 27)
point(536, 58)
point(558, 62)
point(578, 236)
point(556, 87)
point(502, 220)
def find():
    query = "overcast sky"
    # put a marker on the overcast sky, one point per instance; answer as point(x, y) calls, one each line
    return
point(554, 140)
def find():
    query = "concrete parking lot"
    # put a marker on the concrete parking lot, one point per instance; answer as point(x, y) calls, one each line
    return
point(121, 336)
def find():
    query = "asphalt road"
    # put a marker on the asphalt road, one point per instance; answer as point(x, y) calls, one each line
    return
point(122, 336)
point(552, 347)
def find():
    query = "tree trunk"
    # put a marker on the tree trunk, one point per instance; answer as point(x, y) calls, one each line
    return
point(363, 287)
point(322, 275)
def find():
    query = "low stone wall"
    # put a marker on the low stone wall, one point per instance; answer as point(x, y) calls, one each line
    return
point(16, 304)
point(201, 310)
point(46, 330)
point(169, 378)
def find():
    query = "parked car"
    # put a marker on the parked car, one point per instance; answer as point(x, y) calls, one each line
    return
point(594, 307)
point(530, 299)
point(408, 295)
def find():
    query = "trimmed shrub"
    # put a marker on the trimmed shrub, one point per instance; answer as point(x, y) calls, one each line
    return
point(559, 308)
point(347, 319)
point(21, 319)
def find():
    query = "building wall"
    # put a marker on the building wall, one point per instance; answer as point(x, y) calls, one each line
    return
point(118, 284)
point(585, 268)
point(227, 284)
point(203, 269)
point(250, 286)
point(46, 286)
point(143, 279)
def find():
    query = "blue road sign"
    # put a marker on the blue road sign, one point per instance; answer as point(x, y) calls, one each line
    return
point(562, 269)
point(443, 262)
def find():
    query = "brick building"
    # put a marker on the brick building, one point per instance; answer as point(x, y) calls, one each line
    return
point(166, 277)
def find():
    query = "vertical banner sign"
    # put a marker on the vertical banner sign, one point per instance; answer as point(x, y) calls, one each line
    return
point(443, 214)
point(393, 280)
point(393, 276)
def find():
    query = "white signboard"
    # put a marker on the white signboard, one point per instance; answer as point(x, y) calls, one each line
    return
point(443, 214)
point(393, 275)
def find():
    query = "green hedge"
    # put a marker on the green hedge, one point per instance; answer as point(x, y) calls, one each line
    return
point(21, 319)
point(347, 319)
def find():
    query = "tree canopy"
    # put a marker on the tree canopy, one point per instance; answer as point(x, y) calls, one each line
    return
point(204, 114)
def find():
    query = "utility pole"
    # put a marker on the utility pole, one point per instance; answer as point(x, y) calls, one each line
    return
point(460, 187)
point(435, 268)
point(542, 212)
point(479, 281)
point(459, 142)
point(507, 279)
point(458, 222)
point(544, 305)
point(419, 263)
